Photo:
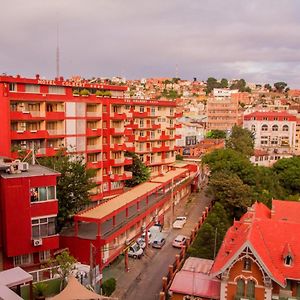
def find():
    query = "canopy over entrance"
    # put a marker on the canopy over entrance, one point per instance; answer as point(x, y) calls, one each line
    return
point(75, 291)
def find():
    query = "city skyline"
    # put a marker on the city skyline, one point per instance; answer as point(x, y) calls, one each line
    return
point(256, 41)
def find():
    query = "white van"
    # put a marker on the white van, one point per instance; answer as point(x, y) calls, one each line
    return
point(135, 251)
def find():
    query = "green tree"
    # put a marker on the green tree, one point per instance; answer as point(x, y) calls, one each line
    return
point(288, 171)
point(268, 87)
point(280, 86)
point(108, 286)
point(241, 140)
point(73, 185)
point(231, 192)
point(65, 263)
point(140, 173)
point(211, 233)
point(241, 86)
point(224, 83)
point(211, 83)
point(216, 134)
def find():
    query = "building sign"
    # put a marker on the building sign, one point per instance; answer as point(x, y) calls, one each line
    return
point(190, 140)
point(186, 151)
point(70, 83)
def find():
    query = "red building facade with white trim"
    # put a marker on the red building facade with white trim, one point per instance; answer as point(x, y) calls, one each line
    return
point(94, 120)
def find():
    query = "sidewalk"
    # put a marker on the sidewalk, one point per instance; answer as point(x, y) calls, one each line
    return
point(126, 280)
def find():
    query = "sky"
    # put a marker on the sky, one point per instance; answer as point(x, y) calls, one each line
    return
point(258, 40)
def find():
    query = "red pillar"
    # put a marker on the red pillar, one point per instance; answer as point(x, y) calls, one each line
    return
point(126, 261)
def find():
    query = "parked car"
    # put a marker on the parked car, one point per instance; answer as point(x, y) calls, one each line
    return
point(149, 236)
point(179, 222)
point(141, 242)
point(158, 241)
point(179, 241)
point(135, 251)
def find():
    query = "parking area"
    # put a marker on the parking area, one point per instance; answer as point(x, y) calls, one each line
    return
point(153, 264)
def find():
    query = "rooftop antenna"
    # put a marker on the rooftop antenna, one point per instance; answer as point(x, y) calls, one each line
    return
point(176, 71)
point(57, 52)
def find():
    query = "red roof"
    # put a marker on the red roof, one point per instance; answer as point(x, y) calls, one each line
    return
point(196, 284)
point(267, 233)
point(270, 115)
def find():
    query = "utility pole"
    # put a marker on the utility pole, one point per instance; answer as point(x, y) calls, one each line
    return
point(172, 203)
point(215, 245)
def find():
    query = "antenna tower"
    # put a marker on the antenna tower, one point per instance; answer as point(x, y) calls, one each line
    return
point(57, 52)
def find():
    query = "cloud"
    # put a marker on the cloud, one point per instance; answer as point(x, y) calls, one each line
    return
point(259, 40)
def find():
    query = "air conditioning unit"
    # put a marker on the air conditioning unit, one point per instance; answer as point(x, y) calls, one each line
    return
point(37, 242)
point(23, 166)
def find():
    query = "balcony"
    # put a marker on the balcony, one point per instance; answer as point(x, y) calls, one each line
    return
point(118, 147)
point(161, 149)
point(156, 126)
point(178, 115)
point(137, 114)
point(177, 136)
point(94, 165)
point(93, 114)
point(142, 138)
point(28, 134)
point(117, 162)
point(118, 116)
point(55, 115)
point(117, 131)
point(129, 146)
point(119, 177)
point(128, 161)
point(178, 125)
point(93, 132)
point(56, 132)
point(165, 137)
point(26, 115)
point(47, 152)
point(96, 147)
point(128, 131)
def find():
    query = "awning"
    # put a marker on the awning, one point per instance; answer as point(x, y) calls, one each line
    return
point(14, 277)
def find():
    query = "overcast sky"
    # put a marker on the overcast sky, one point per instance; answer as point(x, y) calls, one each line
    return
point(258, 40)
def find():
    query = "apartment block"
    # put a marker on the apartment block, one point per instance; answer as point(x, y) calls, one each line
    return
point(222, 111)
point(273, 131)
point(94, 120)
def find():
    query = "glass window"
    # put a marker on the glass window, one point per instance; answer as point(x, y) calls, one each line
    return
point(247, 264)
point(285, 128)
point(44, 255)
point(43, 227)
point(51, 192)
point(275, 128)
point(251, 289)
point(32, 88)
point(42, 193)
point(240, 287)
point(264, 127)
point(23, 259)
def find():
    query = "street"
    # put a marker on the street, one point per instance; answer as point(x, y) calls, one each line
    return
point(148, 283)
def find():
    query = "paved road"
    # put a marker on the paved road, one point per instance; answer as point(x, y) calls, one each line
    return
point(148, 283)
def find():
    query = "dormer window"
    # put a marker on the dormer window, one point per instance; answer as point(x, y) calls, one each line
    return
point(288, 260)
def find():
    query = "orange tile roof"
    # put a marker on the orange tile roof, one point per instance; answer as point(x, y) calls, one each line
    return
point(266, 232)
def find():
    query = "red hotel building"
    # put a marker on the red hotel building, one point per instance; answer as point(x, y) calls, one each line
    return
point(28, 210)
point(49, 114)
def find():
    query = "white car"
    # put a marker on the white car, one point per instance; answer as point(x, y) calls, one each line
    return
point(179, 222)
point(142, 243)
point(135, 251)
point(179, 241)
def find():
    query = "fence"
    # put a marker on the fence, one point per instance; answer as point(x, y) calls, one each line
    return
point(180, 258)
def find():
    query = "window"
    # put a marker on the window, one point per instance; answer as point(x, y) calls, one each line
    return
point(12, 87)
point(288, 260)
point(285, 128)
point(43, 227)
point(240, 287)
point(251, 289)
point(253, 128)
point(44, 255)
point(247, 264)
point(275, 128)
point(264, 127)
point(142, 108)
point(42, 193)
point(58, 90)
point(32, 88)
point(23, 260)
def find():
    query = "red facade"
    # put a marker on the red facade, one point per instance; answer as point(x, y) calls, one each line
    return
point(51, 114)
point(19, 212)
